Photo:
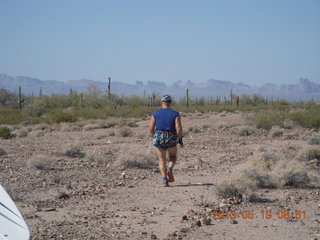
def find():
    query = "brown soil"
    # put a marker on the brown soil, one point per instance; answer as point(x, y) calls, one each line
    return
point(93, 198)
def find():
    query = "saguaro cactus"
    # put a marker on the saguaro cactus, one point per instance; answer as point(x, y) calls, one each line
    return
point(20, 98)
point(109, 86)
point(187, 96)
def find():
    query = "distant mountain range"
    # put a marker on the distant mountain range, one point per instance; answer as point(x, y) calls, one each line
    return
point(304, 89)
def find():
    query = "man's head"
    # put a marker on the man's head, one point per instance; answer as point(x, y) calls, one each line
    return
point(166, 100)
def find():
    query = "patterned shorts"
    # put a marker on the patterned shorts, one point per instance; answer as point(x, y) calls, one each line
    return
point(164, 139)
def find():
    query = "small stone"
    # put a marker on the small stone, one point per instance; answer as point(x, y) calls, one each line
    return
point(63, 196)
point(233, 221)
point(206, 221)
point(184, 217)
point(153, 236)
point(197, 223)
point(103, 195)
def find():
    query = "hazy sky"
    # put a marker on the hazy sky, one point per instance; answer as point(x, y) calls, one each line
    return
point(246, 41)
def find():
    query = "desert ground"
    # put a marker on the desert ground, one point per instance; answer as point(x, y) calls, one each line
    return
point(82, 181)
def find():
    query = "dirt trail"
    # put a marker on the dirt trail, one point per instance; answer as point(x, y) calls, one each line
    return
point(93, 198)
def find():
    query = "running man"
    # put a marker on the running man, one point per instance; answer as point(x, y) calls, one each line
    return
point(166, 129)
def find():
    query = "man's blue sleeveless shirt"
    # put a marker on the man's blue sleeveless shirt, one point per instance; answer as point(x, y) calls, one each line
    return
point(165, 119)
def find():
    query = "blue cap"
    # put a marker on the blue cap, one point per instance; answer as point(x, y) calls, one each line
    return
point(166, 98)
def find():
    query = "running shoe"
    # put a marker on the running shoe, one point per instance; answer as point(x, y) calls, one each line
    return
point(170, 176)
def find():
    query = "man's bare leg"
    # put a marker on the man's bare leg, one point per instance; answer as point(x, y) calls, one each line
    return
point(172, 156)
point(172, 160)
point(162, 161)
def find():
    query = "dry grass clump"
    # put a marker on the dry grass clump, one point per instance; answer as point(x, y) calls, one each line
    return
point(245, 130)
point(314, 140)
point(125, 132)
point(99, 125)
point(141, 135)
point(194, 129)
point(5, 132)
point(101, 158)
point(90, 127)
point(309, 153)
point(2, 151)
point(111, 134)
point(132, 124)
point(231, 187)
point(136, 158)
point(40, 162)
point(74, 150)
point(101, 136)
point(266, 169)
point(67, 127)
point(37, 133)
point(292, 135)
point(206, 126)
point(226, 125)
point(276, 131)
point(21, 133)
point(42, 126)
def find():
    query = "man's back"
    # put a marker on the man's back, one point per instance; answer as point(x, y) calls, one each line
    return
point(165, 119)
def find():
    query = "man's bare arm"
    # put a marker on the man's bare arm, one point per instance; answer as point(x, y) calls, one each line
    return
point(152, 125)
point(178, 126)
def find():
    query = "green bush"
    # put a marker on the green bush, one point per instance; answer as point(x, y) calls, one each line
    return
point(59, 117)
point(268, 119)
point(308, 117)
point(10, 116)
point(6, 133)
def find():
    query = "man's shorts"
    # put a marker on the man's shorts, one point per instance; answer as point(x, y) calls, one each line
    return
point(164, 139)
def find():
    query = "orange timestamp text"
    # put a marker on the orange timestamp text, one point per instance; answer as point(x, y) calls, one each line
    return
point(263, 214)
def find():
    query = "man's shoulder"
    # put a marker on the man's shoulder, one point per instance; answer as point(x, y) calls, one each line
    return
point(177, 113)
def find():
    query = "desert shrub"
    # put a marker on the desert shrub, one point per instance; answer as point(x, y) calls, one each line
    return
point(111, 134)
point(99, 125)
point(266, 169)
point(245, 131)
point(206, 126)
point(223, 114)
point(267, 119)
point(230, 187)
point(90, 127)
point(226, 125)
point(276, 131)
point(101, 136)
point(11, 116)
point(36, 109)
point(294, 174)
point(40, 161)
point(314, 140)
point(291, 135)
point(37, 133)
point(194, 129)
point(41, 126)
point(2, 151)
point(5, 133)
point(309, 117)
point(132, 124)
point(21, 133)
point(141, 135)
point(74, 150)
point(136, 158)
point(60, 117)
point(125, 132)
point(309, 153)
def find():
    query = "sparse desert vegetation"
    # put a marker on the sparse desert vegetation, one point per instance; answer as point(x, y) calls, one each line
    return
point(102, 172)
point(74, 150)
point(2, 151)
point(40, 162)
